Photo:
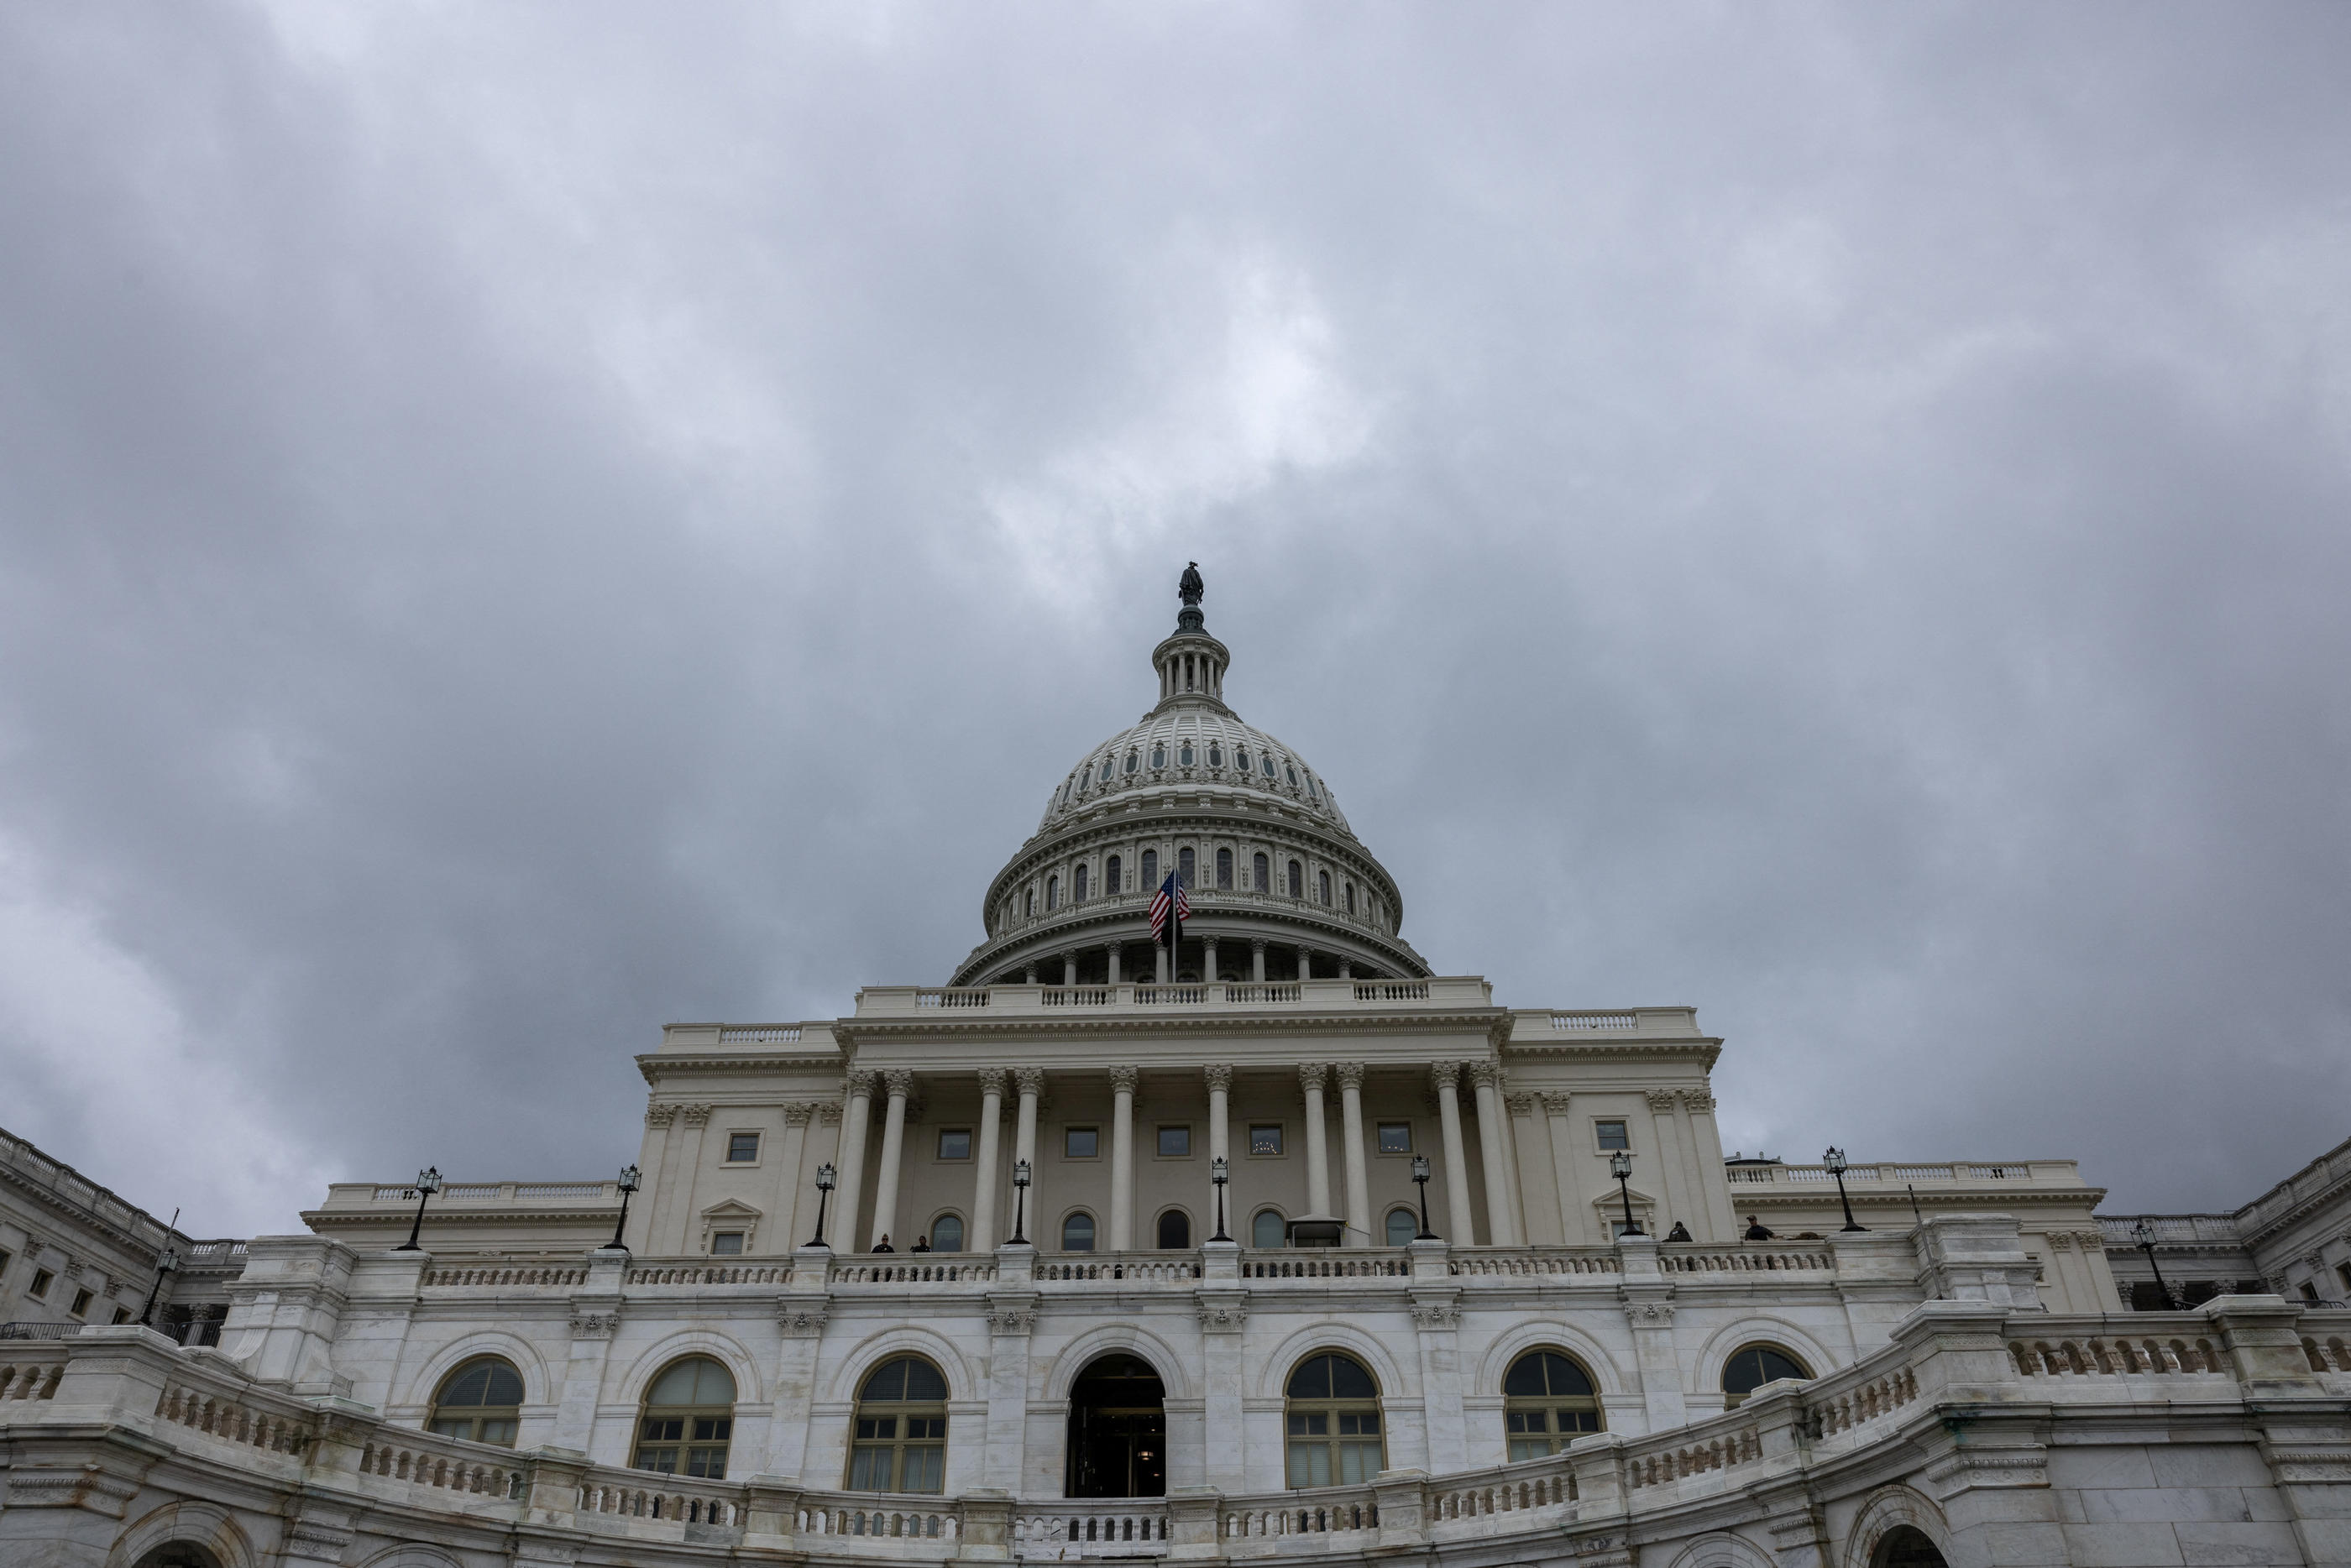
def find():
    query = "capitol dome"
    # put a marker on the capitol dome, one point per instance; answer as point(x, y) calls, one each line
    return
point(1279, 887)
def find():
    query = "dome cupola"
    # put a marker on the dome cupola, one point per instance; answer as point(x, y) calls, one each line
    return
point(1278, 885)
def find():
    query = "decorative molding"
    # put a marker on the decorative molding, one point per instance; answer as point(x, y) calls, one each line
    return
point(1484, 1075)
point(802, 1320)
point(992, 1081)
point(1699, 1102)
point(660, 1116)
point(1350, 1076)
point(827, 1114)
point(798, 1112)
point(1661, 1102)
point(319, 1540)
point(1649, 1314)
point(1012, 1317)
point(594, 1324)
point(1556, 1105)
point(1222, 1316)
point(1122, 1079)
point(1219, 1077)
point(1028, 1080)
point(694, 1115)
point(1519, 1105)
point(1442, 1311)
point(899, 1082)
point(1444, 1075)
point(857, 1086)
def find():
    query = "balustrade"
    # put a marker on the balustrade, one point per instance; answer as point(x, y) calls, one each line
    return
point(1324, 1511)
point(1324, 1263)
point(708, 1274)
point(1118, 1268)
point(233, 1420)
point(917, 1269)
point(1500, 1263)
point(645, 1496)
point(450, 1464)
point(1123, 1527)
point(2097, 1357)
point(1751, 1260)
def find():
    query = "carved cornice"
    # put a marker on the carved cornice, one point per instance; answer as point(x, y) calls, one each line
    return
point(1028, 1080)
point(653, 1066)
point(594, 1324)
point(660, 1116)
point(694, 1116)
point(1661, 1102)
point(797, 1113)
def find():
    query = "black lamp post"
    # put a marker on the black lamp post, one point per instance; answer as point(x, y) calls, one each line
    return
point(1834, 1160)
point(824, 1174)
point(428, 1182)
point(628, 1183)
point(1620, 1166)
point(1219, 1172)
point(2144, 1234)
point(1420, 1180)
point(1019, 1203)
point(165, 1268)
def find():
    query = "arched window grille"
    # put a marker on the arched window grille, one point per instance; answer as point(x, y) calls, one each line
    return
point(901, 1442)
point(480, 1402)
point(1106, 770)
point(1350, 891)
point(946, 1233)
point(1110, 875)
point(1175, 1231)
point(1753, 1365)
point(1215, 755)
point(1323, 885)
point(1224, 868)
point(1292, 773)
point(1032, 901)
point(1265, 762)
point(1258, 877)
point(1185, 754)
point(1053, 892)
point(1078, 1232)
point(1078, 888)
point(1133, 760)
point(1183, 866)
point(1150, 883)
point(1240, 758)
point(1332, 1419)
point(1296, 880)
point(1547, 1403)
point(1266, 1229)
point(688, 1420)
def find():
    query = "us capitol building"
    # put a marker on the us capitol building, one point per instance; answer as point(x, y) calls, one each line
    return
point(1269, 1246)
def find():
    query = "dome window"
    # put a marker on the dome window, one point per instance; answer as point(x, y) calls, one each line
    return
point(1105, 773)
point(1133, 762)
point(1350, 891)
point(1322, 887)
point(1297, 881)
point(1184, 865)
point(1053, 893)
point(1215, 755)
point(1110, 868)
point(1240, 759)
point(1184, 757)
point(1311, 795)
point(1224, 868)
point(1292, 773)
point(1158, 758)
point(1260, 878)
point(1265, 760)
point(1033, 902)
point(1078, 888)
point(1150, 883)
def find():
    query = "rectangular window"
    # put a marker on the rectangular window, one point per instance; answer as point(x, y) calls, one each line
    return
point(6, 1258)
point(1395, 1138)
point(41, 1277)
point(1081, 1143)
point(121, 1315)
point(955, 1143)
point(742, 1147)
point(1266, 1138)
point(1176, 1143)
point(1610, 1135)
point(727, 1244)
point(81, 1303)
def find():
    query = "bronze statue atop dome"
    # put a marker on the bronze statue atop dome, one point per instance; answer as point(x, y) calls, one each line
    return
point(1189, 587)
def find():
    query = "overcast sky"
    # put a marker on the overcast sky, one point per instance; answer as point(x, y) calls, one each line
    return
point(520, 524)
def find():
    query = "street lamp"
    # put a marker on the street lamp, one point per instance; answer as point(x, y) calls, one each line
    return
point(824, 1174)
point(1620, 1166)
point(1019, 1203)
point(1420, 1180)
point(428, 1182)
point(1219, 1172)
point(1834, 1162)
point(629, 1181)
point(2142, 1233)
point(165, 1266)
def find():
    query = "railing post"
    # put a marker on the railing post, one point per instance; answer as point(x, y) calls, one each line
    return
point(1193, 1516)
point(2265, 1349)
point(1877, 1278)
point(551, 1487)
point(984, 1532)
point(1404, 1507)
point(771, 1506)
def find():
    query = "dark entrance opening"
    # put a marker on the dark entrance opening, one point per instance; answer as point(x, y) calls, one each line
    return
point(1905, 1546)
point(1118, 1430)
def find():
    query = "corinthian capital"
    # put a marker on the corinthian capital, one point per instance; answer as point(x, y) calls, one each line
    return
point(695, 1115)
point(899, 1081)
point(1310, 1076)
point(991, 1081)
point(858, 1085)
point(798, 1112)
point(1121, 1080)
point(1350, 1074)
point(1485, 1074)
point(1219, 1077)
point(1028, 1080)
point(1444, 1075)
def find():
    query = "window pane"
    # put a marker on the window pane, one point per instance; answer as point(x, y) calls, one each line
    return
point(1175, 1143)
point(1078, 1233)
point(1081, 1143)
point(1395, 1138)
point(1264, 1139)
point(726, 1244)
point(1402, 1226)
point(1265, 1231)
point(1611, 1135)
point(947, 1236)
point(1174, 1230)
point(742, 1146)
point(955, 1143)
point(926, 1470)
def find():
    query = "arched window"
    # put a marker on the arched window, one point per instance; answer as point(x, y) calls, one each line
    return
point(1296, 880)
point(1053, 892)
point(1175, 1231)
point(1547, 1402)
point(1078, 1233)
point(1133, 760)
point(479, 1401)
point(1184, 756)
point(1265, 762)
point(946, 1233)
point(1907, 1546)
point(1404, 1225)
point(1323, 885)
point(1032, 901)
point(1110, 875)
point(1265, 1231)
point(1240, 758)
point(1753, 1365)
point(1224, 868)
point(688, 1419)
point(1258, 877)
point(1159, 757)
point(902, 1430)
point(1311, 795)
point(1333, 1420)
point(1106, 770)
point(1215, 755)
point(1150, 872)
point(1078, 888)
point(1183, 866)
point(1292, 773)
point(1350, 889)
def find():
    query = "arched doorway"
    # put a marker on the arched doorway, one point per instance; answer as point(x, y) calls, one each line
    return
point(1118, 1430)
point(1907, 1546)
point(178, 1554)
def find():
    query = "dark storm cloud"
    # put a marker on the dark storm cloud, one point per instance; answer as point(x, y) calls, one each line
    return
point(520, 524)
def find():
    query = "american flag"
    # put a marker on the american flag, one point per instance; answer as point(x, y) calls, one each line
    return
point(1170, 898)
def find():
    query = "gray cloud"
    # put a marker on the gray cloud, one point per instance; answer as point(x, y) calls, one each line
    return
point(518, 526)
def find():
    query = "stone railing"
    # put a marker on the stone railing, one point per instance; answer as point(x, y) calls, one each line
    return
point(639, 1495)
point(703, 1271)
point(913, 1269)
point(507, 1272)
point(1520, 1488)
point(29, 1370)
point(855, 1517)
point(2084, 1348)
point(1346, 994)
point(247, 1416)
point(1532, 1262)
point(346, 1195)
point(1316, 1510)
point(1204, 901)
point(1073, 1527)
point(1324, 1263)
point(2204, 1230)
point(1118, 1268)
point(1747, 1258)
point(1774, 1174)
point(759, 1034)
point(447, 1464)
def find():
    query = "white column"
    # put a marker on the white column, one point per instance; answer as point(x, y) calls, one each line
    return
point(1069, 968)
point(1030, 1083)
point(1305, 964)
point(1122, 1159)
point(986, 1177)
point(1257, 960)
point(852, 1156)
point(1359, 1185)
point(1494, 1144)
point(1346, 967)
point(1166, 969)
point(783, 1233)
point(1207, 960)
point(900, 1082)
point(1114, 955)
point(1220, 1085)
point(1444, 1075)
point(1318, 1156)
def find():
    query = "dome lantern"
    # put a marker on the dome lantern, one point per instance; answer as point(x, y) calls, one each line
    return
point(1191, 663)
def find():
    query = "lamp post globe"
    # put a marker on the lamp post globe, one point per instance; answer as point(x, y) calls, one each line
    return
point(825, 1175)
point(1620, 1166)
point(1834, 1162)
point(428, 1182)
point(628, 1181)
